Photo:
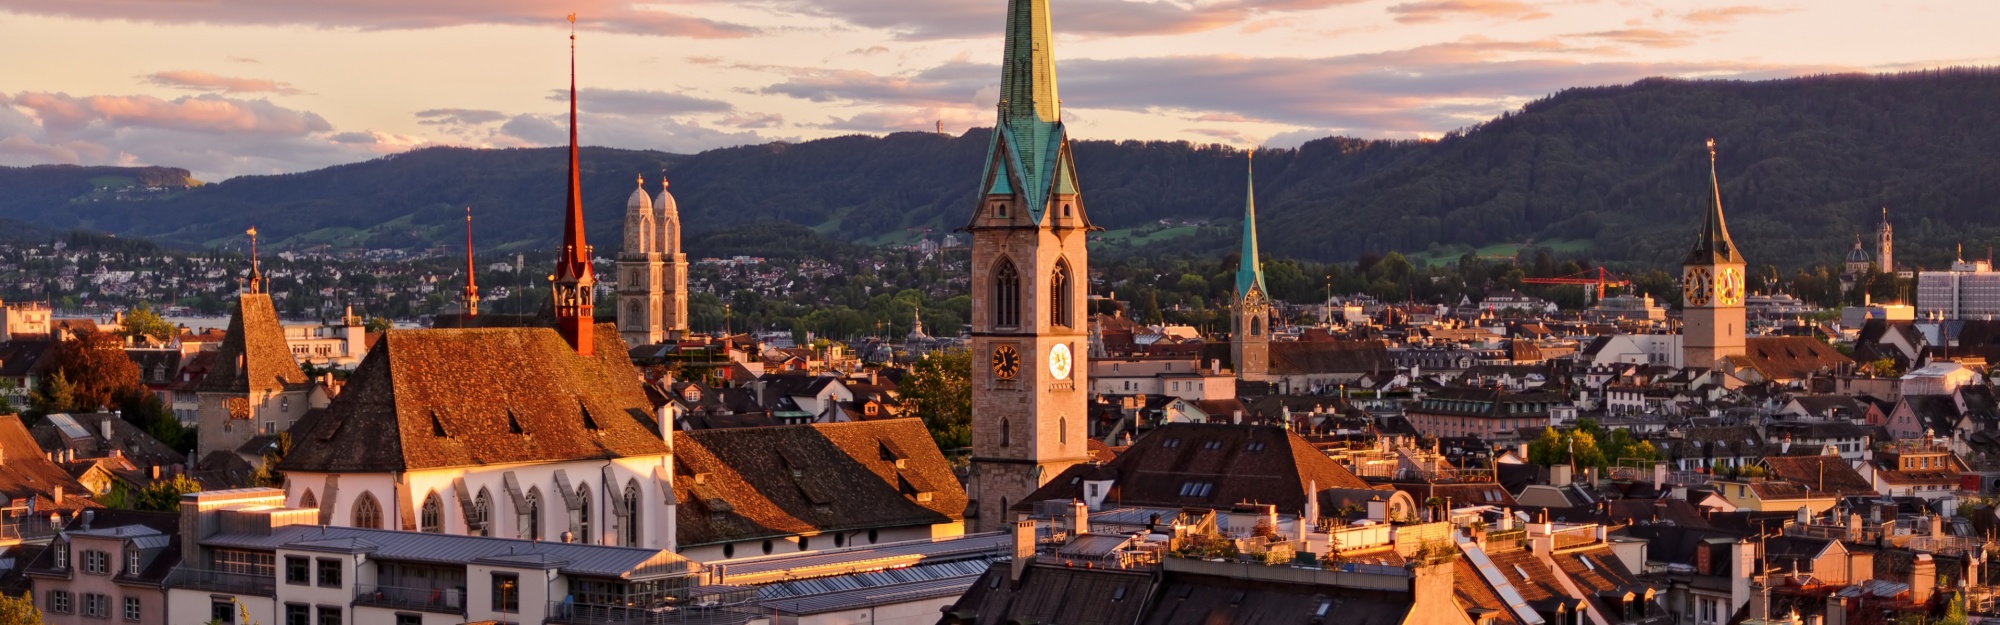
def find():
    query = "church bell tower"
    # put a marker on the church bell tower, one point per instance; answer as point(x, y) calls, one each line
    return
point(1250, 344)
point(1712, 316)
point(1029, 271)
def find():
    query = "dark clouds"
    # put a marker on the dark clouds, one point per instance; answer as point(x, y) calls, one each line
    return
point(947, 19)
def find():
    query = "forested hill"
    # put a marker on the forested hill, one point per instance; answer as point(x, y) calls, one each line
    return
point(1614, 173)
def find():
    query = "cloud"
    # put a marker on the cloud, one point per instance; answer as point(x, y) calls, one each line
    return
point(1436, 10)
point(1294, 138)
point(640, 102)
point(1231, 136)
point(459, 117)
point(1647, 37)
point(952, 19)
point(616, 16)
point(212, 135)
point(194, 80)
point(754, 120)
point(1728, 15)
point(907, 120)
point(624, 131)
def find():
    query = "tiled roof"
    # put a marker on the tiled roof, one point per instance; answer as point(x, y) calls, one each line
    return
point(1320, 357)
point(1826, 474)
point(1792, 357)
point(426, 399)
point(1238, 463)
point(21, 358)
point(254, 355)
point(748, 483)
point(25, 472)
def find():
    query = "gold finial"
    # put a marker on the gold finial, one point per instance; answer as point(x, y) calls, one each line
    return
point(642, 181)
point(1711, 150)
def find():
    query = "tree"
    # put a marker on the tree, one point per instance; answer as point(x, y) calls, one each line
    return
point(939, 391)
point(1955, 614)
point(267, 473)
point(141, 321)
point(165, 495)
point(378, 323)
point(55, 395)
point(96, 364)
point(1548, 449)
point(19, 610)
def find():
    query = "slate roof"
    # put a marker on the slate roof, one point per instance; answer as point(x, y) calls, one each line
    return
point(1241, 463)
point(1323, 357)
point(426, 399)
point(135, 444)
point(254, 355)
point(748, 483)
point(1056, 595)
point(1596, 572)
point(22, 358)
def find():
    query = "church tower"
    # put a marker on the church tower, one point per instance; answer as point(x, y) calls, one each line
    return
point(1029, 267)
point(1883, 244)
point(1250, 348)
point(574, 285)
point(639, 297)
point(673, 277)
point(1712, 319)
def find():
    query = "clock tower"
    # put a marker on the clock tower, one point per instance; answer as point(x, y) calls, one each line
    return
point(1029, 267)
point(1250, 343)
point(1712, 319)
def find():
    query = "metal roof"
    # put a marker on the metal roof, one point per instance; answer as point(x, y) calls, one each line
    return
point(69, 426)
point(866, 597)
point(891, 577)
point(574, 559)
point(873, 557)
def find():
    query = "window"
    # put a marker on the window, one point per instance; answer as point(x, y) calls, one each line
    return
point(258, 563)
point(506, 592)
point(298, 570)
point(409, 619)
point(433, 514)
point(1196, 489)
point(62, 554)
point(367, 512)
point(308, 500)
point(222, 611)
point(132, 557)
point(1005, 437)
point(1062, 429)
point(96, 605)
point(1059, 290)
point(582, 520)
point(329, 572)
point(329, 615)
point(1006, 295)
point(131, 608)
point(58, 601)
point(482, 507)
point(767, 547)
point(533, 530)
point(298, 614)
point(631, 529)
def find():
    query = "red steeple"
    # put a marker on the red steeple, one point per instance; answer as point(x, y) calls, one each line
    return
point(574, 282)
point(471, 286)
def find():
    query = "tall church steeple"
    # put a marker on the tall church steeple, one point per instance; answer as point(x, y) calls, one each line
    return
point(1884, 244)
point(1713, 320)
point(574, 283)
point(471, 285)
point(1029, 271)
point(1250, 340)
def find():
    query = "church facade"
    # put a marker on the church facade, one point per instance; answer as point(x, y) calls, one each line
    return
point(652, 270)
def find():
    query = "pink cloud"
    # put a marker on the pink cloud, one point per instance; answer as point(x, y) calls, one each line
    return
point(947, 19)
point(1647, 37)
point(203, 113)
point(619, 16)
point(1437, 10)
point(203, 81)
point(1726, 15)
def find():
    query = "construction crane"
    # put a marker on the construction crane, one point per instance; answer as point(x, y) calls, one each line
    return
point(1599, 277)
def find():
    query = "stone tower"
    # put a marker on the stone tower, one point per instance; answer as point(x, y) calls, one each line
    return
point(574, 285)
point(1712, 319)
point(1250, 347)
point(673, 278)
point(1884, 244)
point(1029, 267)
point(639, 293)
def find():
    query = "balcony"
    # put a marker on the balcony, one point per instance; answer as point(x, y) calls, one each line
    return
point(439, 600)
point(26, 529)
point(262, 585)
point(567, 613)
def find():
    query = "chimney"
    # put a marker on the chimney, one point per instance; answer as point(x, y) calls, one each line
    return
point(664, 416)
point(1923, 578)
point(1836, 610)
point(104, 428)
point(1760, 601)
point(1024, 547)
point(1079, 518)
point(1659, 475)
point(1236, 417)
point(88, 517)
point(1559, 475)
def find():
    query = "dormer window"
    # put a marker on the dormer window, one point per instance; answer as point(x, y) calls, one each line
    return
point(692, 393)
point(62, 554)
point(131, 559)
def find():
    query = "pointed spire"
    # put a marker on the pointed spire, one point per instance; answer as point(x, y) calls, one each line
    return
point(1249, 270)
point(1713, 246)
point(471, 285)
point(574, 283)
point(1030, 156)
point(256, 282)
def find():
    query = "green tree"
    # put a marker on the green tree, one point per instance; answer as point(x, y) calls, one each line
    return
point(55, 395)
point(939, 391)
point(267, 473)
point(165, 495)
point(378, 323)
point(141, 321)
point(1955, 614)
point(1547, 449)
point(19, 610)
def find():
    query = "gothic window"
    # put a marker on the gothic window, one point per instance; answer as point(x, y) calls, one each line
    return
point(1257, 326)
point(482, 512)
point(1059, 290)
point(582, 520)
point(367, 512)
point(308, 500)
point(1006, 295)
point(630, 530)
point(633, 318)
point(1005, 438)
point(1062, 429)
point(433, 514)
point(533, 529)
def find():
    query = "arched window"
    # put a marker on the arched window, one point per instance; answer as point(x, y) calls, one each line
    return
point(308, 500)
point(1006, 295)
point(581, 517)
point(367, 512)
point(1005, 437)
point(1257, 326)
point(1059, 289)
point(432, 520)
point(1062, 429)
point(482, 513)
point(630, 531)
point(633, 318)
point(532, 529)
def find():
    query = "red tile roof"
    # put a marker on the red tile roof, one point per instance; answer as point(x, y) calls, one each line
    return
point(254, 355)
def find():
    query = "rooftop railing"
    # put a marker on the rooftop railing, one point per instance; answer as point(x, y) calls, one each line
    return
point(223, 581)
point(440, 600)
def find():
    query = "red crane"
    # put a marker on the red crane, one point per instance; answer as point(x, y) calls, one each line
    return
point(1599, 277)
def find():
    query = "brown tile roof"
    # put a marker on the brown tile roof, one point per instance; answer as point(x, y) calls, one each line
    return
point(1792, 357)
point(26, 473)
point(1238, 463)
point(1605, 573)
point(1472, 592)
point(749, 483)
point(425, 399)
point(1310, 357)
point(254, 355)
point(1049, 594)
point(1829, 474)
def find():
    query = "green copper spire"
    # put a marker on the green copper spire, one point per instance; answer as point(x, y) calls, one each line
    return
point(1250, 272)
point(1029, 154)
point(1712, 246)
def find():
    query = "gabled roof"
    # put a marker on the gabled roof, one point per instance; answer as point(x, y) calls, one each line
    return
point(748, 483)
point(1712, 245)
point(254, 355)
point(1792, 357)
point(426, 399)
point(1238, 463)
point(1321, 357)
point(27, 473)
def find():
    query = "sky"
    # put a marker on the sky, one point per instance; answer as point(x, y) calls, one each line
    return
point(237, 87)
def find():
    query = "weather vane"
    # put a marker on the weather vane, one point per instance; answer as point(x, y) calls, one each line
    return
point(1711, 149)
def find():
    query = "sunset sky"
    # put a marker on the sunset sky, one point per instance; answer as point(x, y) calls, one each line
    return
point(234, 87)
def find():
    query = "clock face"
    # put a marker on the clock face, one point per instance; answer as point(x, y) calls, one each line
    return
point(1006, 362)
point(1059, 361)
point(1729, 287)
point(1697, 286)
point(1254, 301)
